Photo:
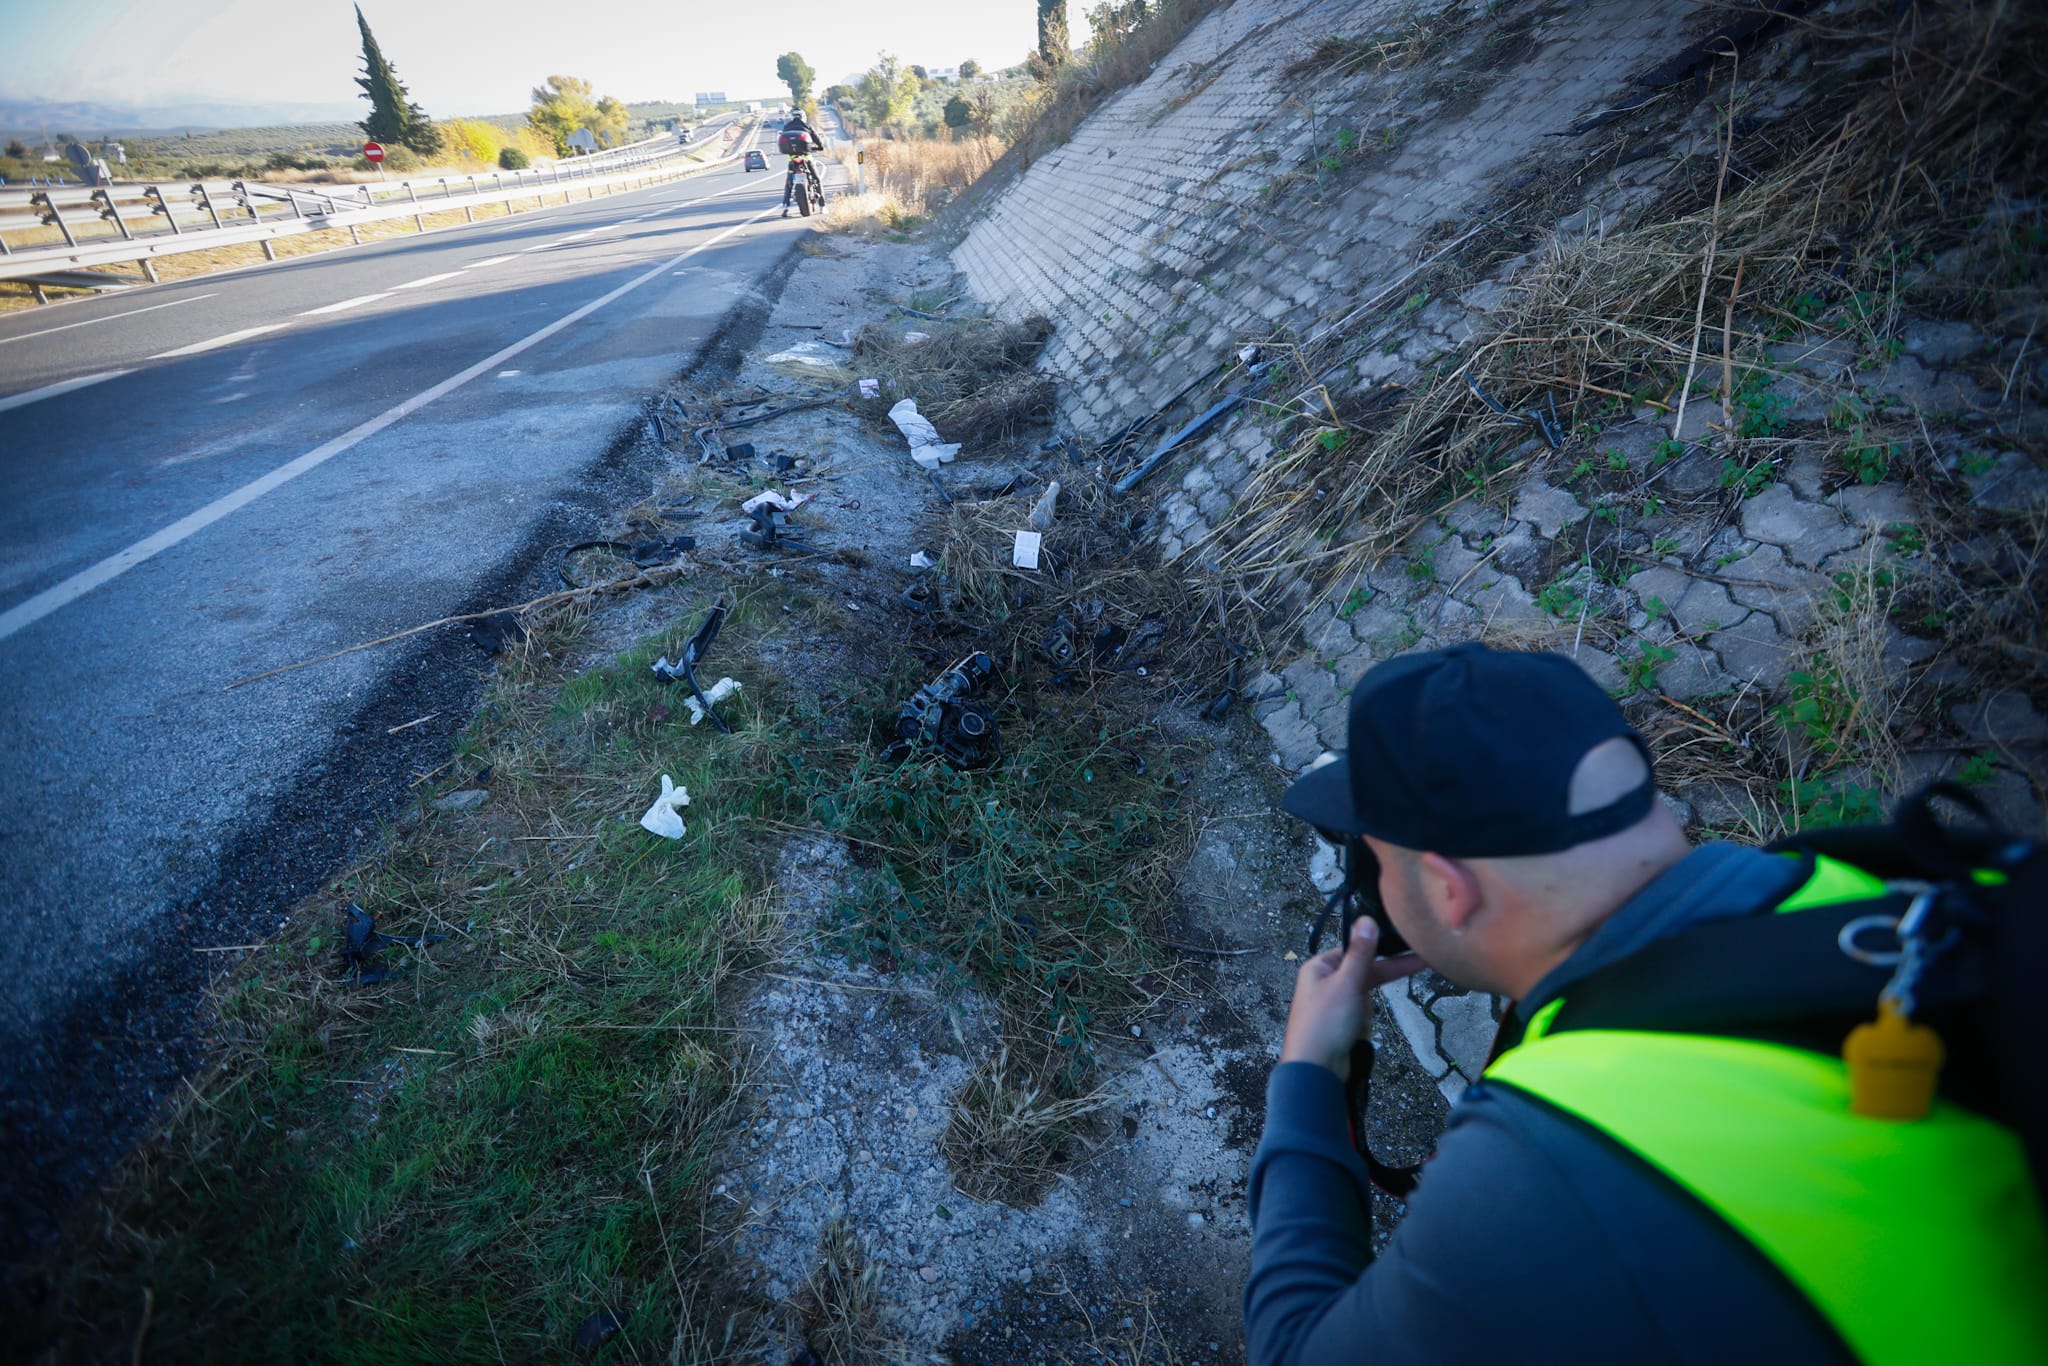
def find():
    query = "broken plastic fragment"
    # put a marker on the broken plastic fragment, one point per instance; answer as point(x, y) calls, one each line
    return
point(925, 447)
point(810, 358)
point(871, 388)
point(716, 693)
point(1025, 553)
point(920, 560)
point(1046, 508)
point(664, 818)
point(913, 338)
point(773, 498)
point(1244, 357)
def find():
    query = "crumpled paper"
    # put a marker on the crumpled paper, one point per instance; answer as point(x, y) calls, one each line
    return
point(664, 818)
point(925, 447)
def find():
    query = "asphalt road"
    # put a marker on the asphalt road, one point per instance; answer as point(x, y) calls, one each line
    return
point(217, 477)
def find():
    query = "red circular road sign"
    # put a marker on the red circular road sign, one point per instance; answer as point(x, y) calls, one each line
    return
point(373, 152)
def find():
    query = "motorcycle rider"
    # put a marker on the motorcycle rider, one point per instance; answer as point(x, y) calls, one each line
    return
point(812, 143)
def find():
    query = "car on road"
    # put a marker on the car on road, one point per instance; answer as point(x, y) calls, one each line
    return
point(755, 161)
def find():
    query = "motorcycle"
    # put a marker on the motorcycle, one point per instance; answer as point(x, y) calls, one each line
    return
point(808, 192)
point(804, 186)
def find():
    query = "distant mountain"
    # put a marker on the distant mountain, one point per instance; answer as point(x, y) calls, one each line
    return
point(25, 118)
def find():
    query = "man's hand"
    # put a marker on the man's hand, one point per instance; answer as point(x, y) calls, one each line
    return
point(1333, 999)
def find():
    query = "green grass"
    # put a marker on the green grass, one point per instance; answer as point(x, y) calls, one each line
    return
point(1033, 882)
point(514, 1132)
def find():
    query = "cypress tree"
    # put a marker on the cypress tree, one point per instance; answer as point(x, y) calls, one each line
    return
point(1053, 49)
point(394, 118)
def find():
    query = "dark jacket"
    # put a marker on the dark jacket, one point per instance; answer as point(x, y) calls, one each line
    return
point(1532, 1237)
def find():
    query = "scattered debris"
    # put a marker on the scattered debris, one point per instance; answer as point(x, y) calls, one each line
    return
point(1544, 424)
point(664, 818)
point(1024, 554)
point(361, 943)
point(920, 560)
point(1046, 508)
point(694, 651)
point(945, 716)
point(925, 447)
point(771, 530)
point(493, 634)
point(916, 338)
point(774, 498)
point(813, 358)
point(718, 692)
point(871, 388)
point(595, 1332)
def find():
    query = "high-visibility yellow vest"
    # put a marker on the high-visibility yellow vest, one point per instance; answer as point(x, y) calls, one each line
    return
point(1920, 1241)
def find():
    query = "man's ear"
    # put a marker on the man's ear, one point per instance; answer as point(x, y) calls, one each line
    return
point(1452, 890)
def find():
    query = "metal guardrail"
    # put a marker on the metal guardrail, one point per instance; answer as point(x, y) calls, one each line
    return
point(233, 214)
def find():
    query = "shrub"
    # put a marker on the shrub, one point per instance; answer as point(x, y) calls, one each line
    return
point(512, 159)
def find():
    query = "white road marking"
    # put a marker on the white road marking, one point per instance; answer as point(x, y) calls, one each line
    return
point(52, 390)
point(494, 261)
point(507, 374)
point(427, 280)
point(106, 319)
point(34, 609)
point(229, 340)
point(345, 305)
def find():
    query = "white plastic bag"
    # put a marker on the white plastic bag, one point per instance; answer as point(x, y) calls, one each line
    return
point(664, 818)
point(925, 447)
point(810, 358)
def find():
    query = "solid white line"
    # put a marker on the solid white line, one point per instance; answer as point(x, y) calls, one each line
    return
point(193, 299)
point(229, 340)
point(344, 305)
point(427, 280)
point(78, 585)
point(52, 390)
point(494, 261)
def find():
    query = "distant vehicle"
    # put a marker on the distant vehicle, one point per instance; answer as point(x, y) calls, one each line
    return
point(755, 161)
point(682, 135)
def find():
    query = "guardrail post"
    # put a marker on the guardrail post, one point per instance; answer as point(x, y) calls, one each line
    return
point(47, 211)
point(418, 220)
point(107, 210)
point(154, 197)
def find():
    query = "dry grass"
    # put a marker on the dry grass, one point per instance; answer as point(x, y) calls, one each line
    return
point(908, 180)
point(975, 379)
point(1906, 153)
point(837, 1311)
point(1011, 1133)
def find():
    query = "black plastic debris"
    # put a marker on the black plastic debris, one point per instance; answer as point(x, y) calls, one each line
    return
point(497, 632)
point(694, 652)
point(740, 450)
point(647, 553)
point(361, 943)
point(1544, 424)
point(596, 1331)
point(945, 716)
point(772, 530)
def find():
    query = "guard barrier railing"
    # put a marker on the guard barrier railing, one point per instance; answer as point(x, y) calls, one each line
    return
point(154, 222)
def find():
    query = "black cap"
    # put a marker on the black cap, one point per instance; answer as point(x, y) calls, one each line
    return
point(1469, 752)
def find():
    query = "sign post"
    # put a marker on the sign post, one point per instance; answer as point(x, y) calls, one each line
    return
point(860, 161)
point(373, 152)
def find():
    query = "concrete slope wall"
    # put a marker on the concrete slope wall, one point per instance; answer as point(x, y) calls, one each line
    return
point(1192, 214)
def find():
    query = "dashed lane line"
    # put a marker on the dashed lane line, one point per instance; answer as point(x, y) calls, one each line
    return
point(212, 343)
point(22, 400)
point(345, 305)
point(105, 318)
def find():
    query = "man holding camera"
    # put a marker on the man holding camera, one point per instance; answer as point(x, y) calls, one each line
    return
point(1663, 1165)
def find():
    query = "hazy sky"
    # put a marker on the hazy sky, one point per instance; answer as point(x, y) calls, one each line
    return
point(469, 57)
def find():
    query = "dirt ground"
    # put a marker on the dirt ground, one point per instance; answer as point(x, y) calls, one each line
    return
point(1138, 1249)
